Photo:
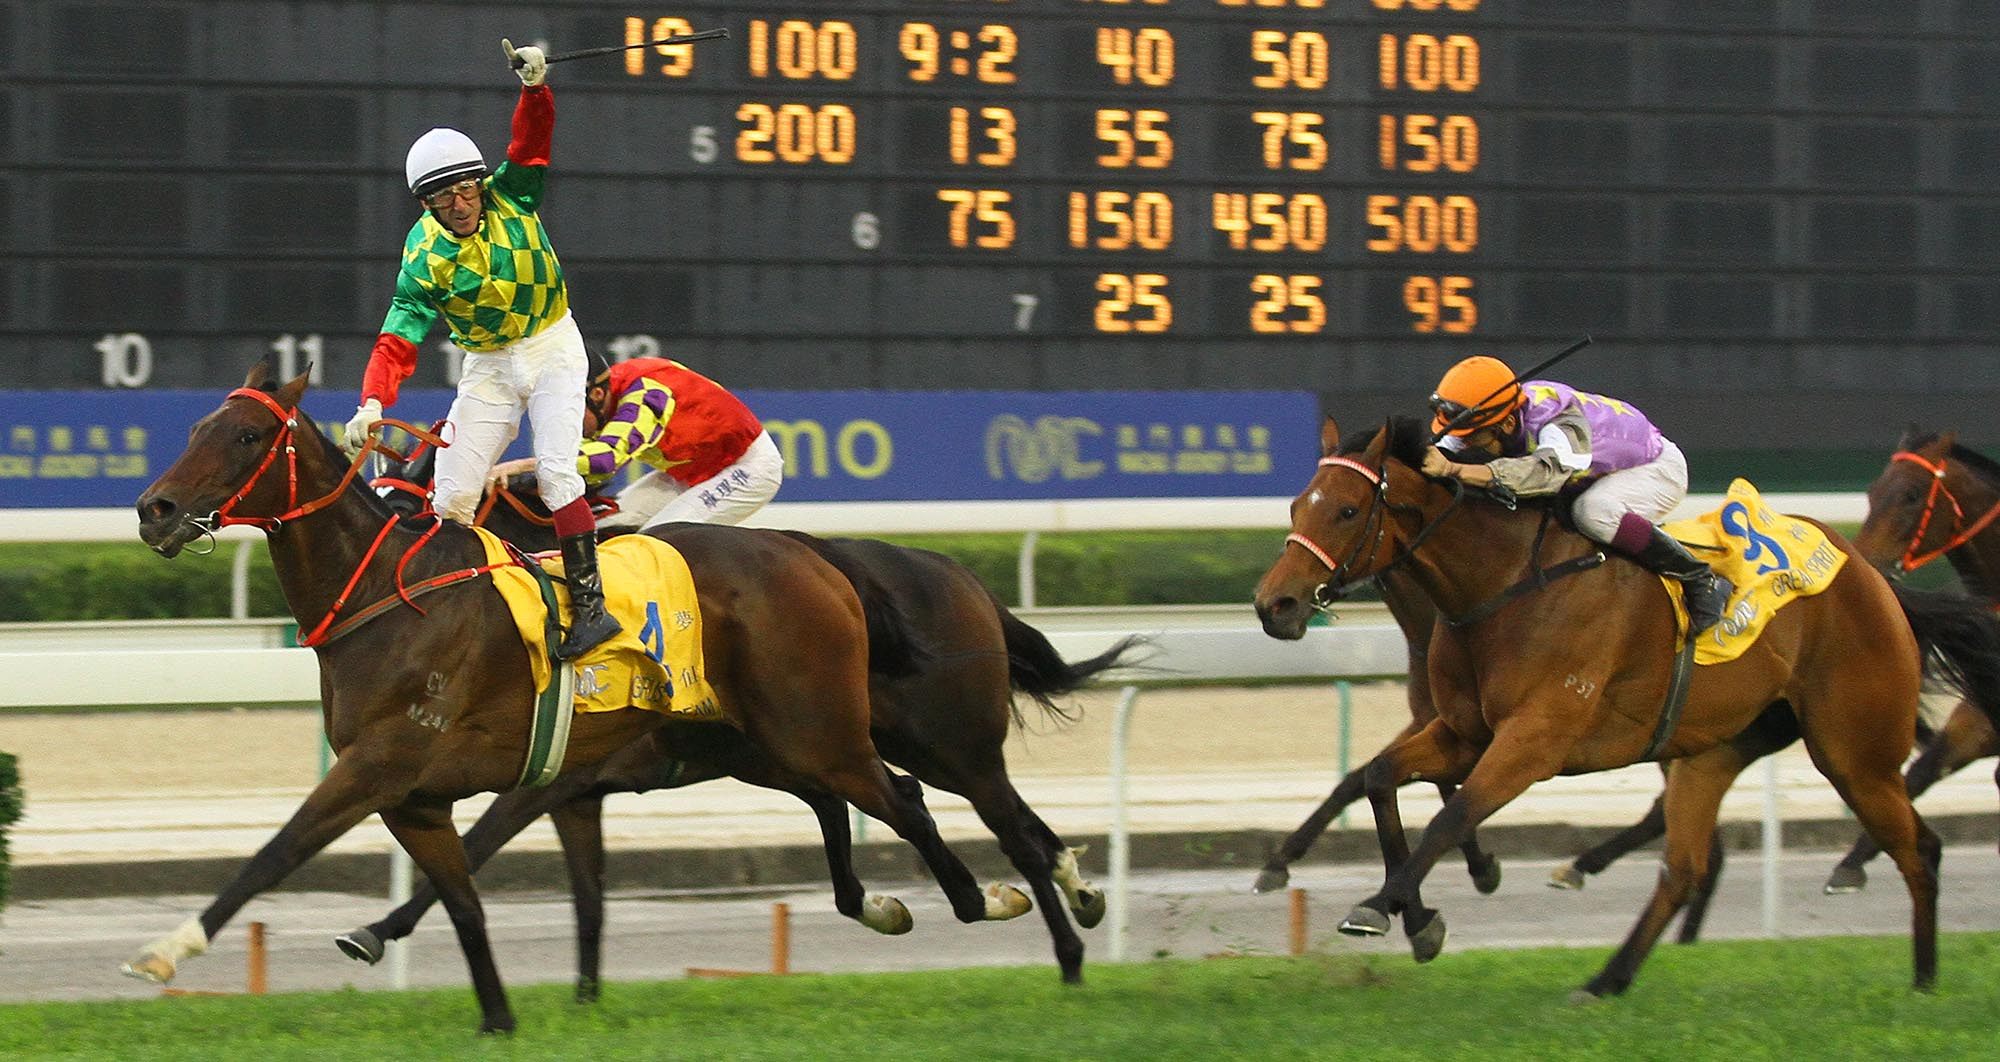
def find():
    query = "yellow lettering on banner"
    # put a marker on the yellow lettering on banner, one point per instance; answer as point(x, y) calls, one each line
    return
point(67, 466)
point(1200, 462)
point(97, 437)
point(125, 466)
point(1142, 463)
point(850, 463)
point(61, 439)
point(135, 439)
point(787, 435)
point(21, 437)
point(13, 466)
point(1251, 464)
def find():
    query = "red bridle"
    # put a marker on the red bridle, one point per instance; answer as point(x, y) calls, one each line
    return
point(1373, 477)
point(1913, 559)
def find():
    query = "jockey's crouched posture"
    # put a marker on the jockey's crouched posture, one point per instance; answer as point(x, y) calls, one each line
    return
point(1541, 436)
point(480, 259)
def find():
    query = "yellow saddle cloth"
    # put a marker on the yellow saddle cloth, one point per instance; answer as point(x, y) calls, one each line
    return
point(1772, 559)
point(655, 662)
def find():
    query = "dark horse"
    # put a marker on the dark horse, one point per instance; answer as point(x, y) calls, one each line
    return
point(1572, 677)
point(945, 718)
point(784, 638)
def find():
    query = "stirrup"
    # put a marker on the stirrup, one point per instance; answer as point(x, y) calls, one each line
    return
point(587, 632)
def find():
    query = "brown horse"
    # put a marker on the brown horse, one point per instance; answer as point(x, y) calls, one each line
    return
point(1934, 499)
point(1415, 616)
point(1553, 661)
point(945, 719)
point(784, 639)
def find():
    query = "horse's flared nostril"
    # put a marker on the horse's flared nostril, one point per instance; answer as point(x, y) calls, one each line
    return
point(154, 510)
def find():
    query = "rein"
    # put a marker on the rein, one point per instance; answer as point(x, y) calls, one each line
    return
point(1377, 517)
point(1536, 579)
point(1913, 558)
point(287, 441)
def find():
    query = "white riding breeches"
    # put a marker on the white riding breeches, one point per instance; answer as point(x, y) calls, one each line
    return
point(543, 375)
point(1650, 490)
point(728, 497)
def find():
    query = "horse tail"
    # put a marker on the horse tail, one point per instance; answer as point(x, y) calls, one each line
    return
point(894, 649)
point(1958, 638)
point(1035, 668)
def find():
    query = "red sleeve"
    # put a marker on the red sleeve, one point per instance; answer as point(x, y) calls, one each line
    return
point(534, 127)
point(389, 364)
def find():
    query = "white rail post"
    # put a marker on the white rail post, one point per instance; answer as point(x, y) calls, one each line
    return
point(239, 581)
point(401, 870)
point(1024, 568)
point(1121, 841)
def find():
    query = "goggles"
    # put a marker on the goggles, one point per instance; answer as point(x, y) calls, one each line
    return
point(465, 189)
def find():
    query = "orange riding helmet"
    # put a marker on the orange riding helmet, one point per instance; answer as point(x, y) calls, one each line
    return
point(1483, 385)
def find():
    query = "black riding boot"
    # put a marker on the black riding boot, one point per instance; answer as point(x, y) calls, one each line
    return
point(1707, 593)
point(589, 624)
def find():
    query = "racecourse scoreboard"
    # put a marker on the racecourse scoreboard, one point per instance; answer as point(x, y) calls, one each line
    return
point(1036, 193)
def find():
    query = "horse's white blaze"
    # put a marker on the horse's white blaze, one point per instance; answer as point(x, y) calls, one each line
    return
point(1004, 901)
point(158, 961)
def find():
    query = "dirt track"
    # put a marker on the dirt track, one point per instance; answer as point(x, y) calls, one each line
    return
point(66, 756)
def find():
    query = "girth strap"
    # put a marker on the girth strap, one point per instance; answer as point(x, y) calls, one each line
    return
point(1677, 695)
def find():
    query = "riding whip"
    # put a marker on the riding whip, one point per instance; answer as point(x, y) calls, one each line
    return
point(678, 38)
point(1518, 377)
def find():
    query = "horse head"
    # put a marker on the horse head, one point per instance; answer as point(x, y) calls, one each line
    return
point(1344, 525)
point(232, 460)
point(1912, 513)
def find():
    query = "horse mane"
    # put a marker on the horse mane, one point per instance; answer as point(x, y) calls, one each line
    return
point(1409, 437)
point(1987, 468)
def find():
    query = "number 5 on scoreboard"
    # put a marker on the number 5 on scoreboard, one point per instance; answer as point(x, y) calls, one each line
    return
point(1440, 304)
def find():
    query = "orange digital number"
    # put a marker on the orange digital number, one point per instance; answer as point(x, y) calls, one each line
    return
point(988, 206)
point(1421, 62)
point(1144, 220)
point(1451, 142)
point(1137, 138)
point(795, 133)
point(1271, 221)
point(1132, 303)
point(1423, 224)
point(678, 59)
point(1295, 60)
point(997, 126)
point(1441, 304)
point(1287, 304)
point(1285, 130)
point(803, 50)
point(1422, 5)
point(1308, 4)
point(1144, 55)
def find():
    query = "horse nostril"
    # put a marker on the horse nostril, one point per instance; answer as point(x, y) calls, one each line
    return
point(154, 510)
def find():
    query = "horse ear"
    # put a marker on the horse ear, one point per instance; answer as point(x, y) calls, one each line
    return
point(259, 376)
point(1329, 437)
point(288, 396)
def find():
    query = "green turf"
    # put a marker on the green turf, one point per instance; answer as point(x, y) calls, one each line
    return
point(1841, 998)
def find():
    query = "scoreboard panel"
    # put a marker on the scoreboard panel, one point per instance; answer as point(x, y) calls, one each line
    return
point(1340, 194)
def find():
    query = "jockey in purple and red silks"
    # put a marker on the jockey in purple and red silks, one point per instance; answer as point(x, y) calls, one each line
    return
point(1540, 436)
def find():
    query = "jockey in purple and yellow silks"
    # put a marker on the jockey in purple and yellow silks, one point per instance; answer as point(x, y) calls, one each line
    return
point(479, 259)
point(1538, 437)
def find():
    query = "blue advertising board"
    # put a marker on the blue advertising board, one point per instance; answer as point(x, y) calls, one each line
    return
point(99, 449)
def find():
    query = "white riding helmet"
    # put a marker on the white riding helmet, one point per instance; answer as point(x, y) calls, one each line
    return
point(442, 157)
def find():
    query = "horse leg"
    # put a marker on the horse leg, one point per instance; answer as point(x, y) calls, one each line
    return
point(1952, 747)
point(1695, 787)
point(1277, 870)
point(1086, 901)
point(425, 831)
point(1435, 752)
point(579, 826)
point(502, 821)
point(1704, 891)
point(869, 787)
point(884, 914)
point(341, 799)
point(1870, 785)
point(1620, 845)
point(1007, 817)
point(1481, 865)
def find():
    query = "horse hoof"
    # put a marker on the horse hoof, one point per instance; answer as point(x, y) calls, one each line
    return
point(1004, 901)
point(886, 915)
point(1271, 880)
point(1584, 997)
point(1365, 921)
point(1487, 878)
point(1426, 943)
point(1844, 880)
point(360, 945)
point(150, 967)
point(1566, 877)
point(1088, 908)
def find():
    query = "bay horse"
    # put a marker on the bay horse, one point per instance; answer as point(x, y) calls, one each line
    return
point(945, 718)
point(1546, 674)
point(784, 637)
point(1935, 498)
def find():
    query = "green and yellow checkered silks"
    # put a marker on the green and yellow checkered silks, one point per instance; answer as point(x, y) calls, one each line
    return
point(498, 285)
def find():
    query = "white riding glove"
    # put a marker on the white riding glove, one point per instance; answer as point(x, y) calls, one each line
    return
point(529, 62)
point(365, 419)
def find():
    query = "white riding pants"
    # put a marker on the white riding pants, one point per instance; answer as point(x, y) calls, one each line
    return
point(1650, 490)
point(543, 375)
point(728, 497)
